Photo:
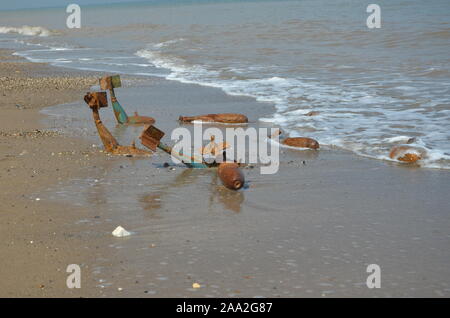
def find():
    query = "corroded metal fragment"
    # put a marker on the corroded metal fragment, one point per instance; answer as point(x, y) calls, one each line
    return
point(301, 142)
point(406, 153)
point(230, 175)
point(151, 138)
point(96, 100)
point(109, 82)
point(227, 118)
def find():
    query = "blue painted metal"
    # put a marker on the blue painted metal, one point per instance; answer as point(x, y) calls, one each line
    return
point(119, 112)
point(186, 160)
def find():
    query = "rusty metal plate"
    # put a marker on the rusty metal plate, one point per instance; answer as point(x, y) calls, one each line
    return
point(151, 136)
point(105, 83)
point(96, 99)
point(109, 82)
point(102, 99)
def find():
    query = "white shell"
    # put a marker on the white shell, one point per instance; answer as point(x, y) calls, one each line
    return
point(120, 232)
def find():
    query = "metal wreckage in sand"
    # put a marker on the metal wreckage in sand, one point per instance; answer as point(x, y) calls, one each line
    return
point(229, 172)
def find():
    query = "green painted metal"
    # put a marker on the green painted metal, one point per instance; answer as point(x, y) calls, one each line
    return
point(115, 81)
point(119, 112)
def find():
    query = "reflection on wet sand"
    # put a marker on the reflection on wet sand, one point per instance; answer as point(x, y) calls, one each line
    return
point(97, 195)
point(306, 154)
point(152, 201)
point(230, 200)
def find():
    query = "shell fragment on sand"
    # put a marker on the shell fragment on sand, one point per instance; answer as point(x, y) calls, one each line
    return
point(120, 232)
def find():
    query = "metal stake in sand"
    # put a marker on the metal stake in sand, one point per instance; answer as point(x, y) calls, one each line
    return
point(111, 82)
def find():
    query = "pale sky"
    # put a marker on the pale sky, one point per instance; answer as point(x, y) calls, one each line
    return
point(23, 4)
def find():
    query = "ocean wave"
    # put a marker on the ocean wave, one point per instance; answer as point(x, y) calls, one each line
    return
point(356, 118)
point(26, 30)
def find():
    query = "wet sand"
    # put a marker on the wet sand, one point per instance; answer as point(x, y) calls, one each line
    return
point(310, 230)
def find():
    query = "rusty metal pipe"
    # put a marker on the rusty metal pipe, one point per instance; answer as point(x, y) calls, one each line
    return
point(230, 175)
point(299, 142)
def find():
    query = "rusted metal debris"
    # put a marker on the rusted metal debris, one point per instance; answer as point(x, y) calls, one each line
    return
point(111, 82)
point(407, 153)
point(97, 100)
point(228, 172)
point(213, 148)
point(229, 118)
point(230, 175)
point(300, 142)
point(151, 138)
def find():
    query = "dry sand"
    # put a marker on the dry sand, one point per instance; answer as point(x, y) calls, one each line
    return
point(35, 240)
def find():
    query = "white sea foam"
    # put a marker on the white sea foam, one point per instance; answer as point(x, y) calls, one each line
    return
point(26, 30)
point(358, 118)
point(167, 43)
point(355, 118)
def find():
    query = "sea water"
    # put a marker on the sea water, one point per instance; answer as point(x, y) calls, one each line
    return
point(373, 88)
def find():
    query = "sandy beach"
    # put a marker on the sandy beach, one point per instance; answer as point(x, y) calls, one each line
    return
point(308, 231)
point(37, 237)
